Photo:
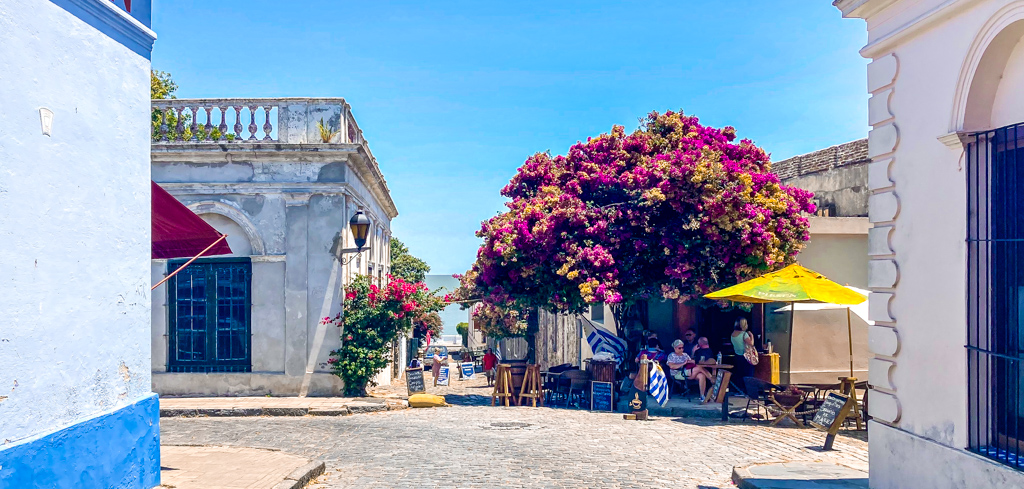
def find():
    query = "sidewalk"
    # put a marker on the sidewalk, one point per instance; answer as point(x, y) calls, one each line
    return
point(275, 406)
point(199, 467)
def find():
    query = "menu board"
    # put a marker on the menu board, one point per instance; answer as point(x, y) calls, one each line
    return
point(601, 396)
point(414, 381)
point(716, 388)
point(467, 370)
point(442, 375)
point(831, 412)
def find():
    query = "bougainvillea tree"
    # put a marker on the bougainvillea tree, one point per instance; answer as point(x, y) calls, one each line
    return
point(373, 318)
point(675, 209)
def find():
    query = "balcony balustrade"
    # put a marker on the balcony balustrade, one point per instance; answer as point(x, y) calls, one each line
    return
point(254, 120)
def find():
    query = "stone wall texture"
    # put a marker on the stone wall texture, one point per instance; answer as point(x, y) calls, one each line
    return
point(851, 153)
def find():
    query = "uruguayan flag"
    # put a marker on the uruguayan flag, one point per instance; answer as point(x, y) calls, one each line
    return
point(658, 385)
point(601, 340)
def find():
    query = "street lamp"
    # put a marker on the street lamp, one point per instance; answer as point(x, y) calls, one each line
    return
point(360, 226)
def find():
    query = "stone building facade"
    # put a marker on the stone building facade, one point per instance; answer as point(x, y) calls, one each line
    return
point(248, 324)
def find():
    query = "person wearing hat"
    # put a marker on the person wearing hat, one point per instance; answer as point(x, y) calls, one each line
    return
point(683, 367)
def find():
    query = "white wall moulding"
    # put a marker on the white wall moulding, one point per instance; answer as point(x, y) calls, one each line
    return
point(878, 174)
point(883, 274)
point(883, 140)
point(878, 241)
point(238, 216)
point(878, 307)
point(880, 107)
point(880, 373)
point(882, 72)
point(883, 340)
point(884, 407)
point(883, 207)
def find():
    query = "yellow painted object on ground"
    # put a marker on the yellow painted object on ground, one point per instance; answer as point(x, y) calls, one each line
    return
point(426, 401)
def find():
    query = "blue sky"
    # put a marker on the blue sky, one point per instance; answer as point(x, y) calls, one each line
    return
point(454, 96)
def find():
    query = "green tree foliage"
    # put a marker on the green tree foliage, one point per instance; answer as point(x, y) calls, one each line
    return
point(463, 329)
point(374, 318)
point(406, 266)
point(161, 86)
point(427, 322)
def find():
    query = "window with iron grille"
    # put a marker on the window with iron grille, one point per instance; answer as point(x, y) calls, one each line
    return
point(209, 316)
point(995, 294)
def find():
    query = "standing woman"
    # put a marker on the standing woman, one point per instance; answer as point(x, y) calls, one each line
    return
point(435, 367)
point(741, 338)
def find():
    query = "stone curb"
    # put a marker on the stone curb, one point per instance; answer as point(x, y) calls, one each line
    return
point(799, 475)
point(358, 407)
point(301, 476)
point(740, 476)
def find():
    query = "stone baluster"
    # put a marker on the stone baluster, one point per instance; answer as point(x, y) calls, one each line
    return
point(252, 123)
point(267, 126)
point(179, 126)
point(209, 125)
point(223, 127)
point(163, 123)
point(238, 122)
point(195, 122)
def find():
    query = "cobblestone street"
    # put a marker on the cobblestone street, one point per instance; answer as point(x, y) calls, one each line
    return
point(483, 446)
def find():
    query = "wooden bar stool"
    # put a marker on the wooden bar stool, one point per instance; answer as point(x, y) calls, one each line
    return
point(503, 385)
point(848, 386)
point(532, 388)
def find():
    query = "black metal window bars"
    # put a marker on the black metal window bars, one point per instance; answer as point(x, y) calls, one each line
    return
point(995, 293)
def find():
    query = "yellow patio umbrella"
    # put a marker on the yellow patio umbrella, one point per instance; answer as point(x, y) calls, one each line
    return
point(793, 284)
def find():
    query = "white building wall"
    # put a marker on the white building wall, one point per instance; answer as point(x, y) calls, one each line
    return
point(75, 221)
point(919, 77)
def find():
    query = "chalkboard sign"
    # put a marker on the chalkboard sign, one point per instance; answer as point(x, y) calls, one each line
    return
point(442, 375)
point(601, 398)
point(467, 370)
point(831, 412)
point(414, 381)
point(716, 388)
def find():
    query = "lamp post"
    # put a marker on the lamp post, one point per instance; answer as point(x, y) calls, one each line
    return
point(360, 226)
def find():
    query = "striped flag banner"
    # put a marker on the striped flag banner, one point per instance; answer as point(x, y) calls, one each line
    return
point(601, 340)
point(658, 384)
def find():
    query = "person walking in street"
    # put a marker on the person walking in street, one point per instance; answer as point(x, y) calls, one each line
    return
point(490, 362)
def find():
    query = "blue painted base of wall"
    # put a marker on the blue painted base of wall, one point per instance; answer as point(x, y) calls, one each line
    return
point(116, 449)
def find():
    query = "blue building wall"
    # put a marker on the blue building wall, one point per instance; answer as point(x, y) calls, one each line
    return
point(76, 407)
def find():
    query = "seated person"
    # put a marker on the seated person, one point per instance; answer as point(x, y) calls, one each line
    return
point(683, 367)
point(652, 352)
point(416, 363)
point(703, 353)
point(689, 342)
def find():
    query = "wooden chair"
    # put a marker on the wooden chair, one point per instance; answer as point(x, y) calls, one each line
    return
point(578, 383)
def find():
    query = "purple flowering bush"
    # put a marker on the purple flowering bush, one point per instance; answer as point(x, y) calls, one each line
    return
point(675, 209)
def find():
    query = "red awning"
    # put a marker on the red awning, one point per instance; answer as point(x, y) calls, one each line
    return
point(180, 233)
